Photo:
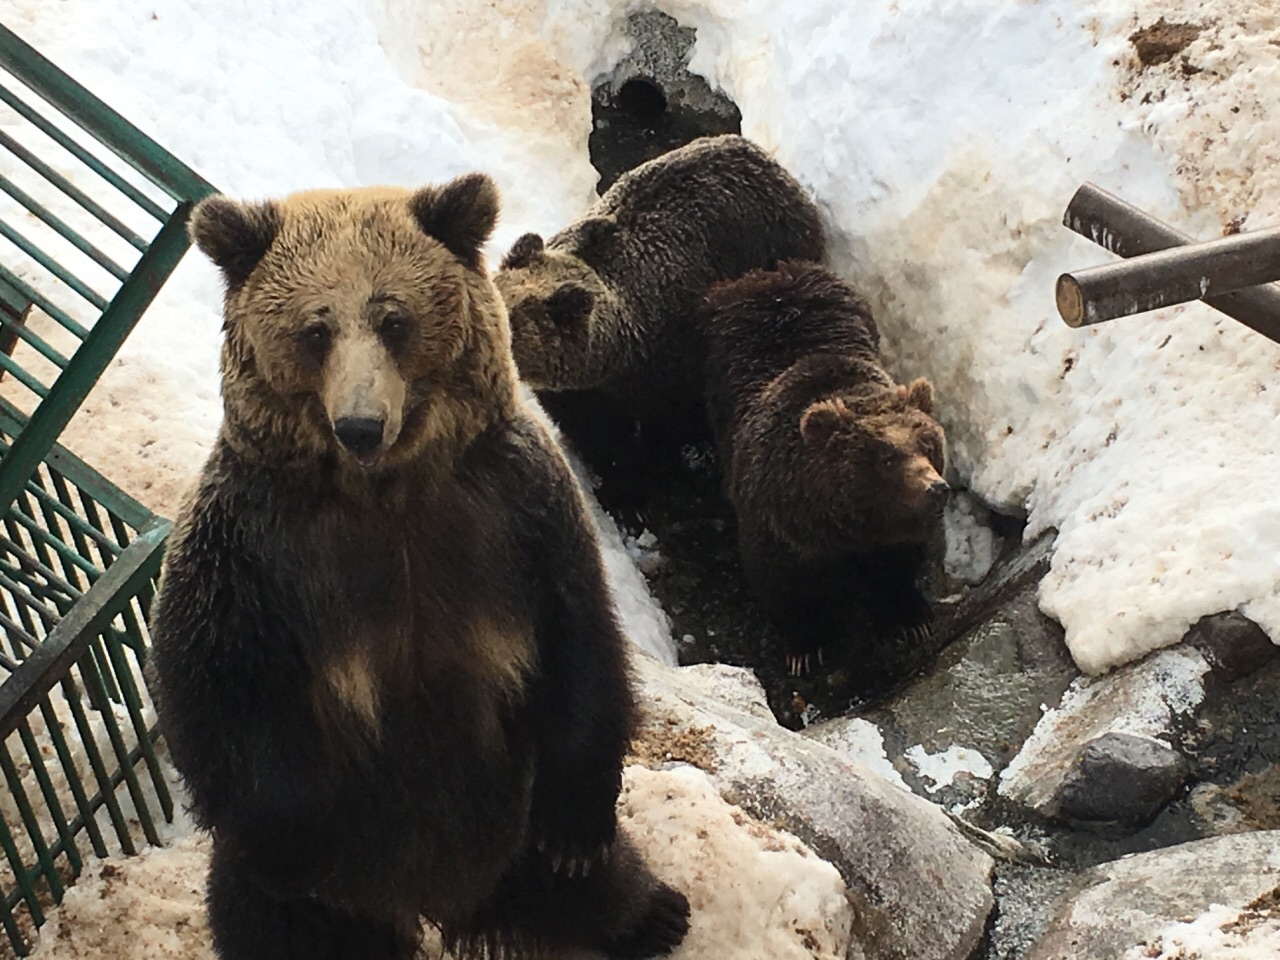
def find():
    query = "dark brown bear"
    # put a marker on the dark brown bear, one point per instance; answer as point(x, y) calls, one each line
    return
point(833, 470)
point(386, 662)
point(602, 313)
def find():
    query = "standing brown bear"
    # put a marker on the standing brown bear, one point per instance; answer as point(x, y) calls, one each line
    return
point(833, 470)
point(602, 313)
point(386, 663)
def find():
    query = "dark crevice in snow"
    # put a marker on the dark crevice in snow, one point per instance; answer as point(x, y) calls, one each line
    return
point(650, 103)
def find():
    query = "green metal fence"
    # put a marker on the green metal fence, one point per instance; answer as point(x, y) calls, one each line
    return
point(93, 220)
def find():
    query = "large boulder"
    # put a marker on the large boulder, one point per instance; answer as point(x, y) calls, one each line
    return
point(920, 891)
point(1208, 899)
point(1142, 700)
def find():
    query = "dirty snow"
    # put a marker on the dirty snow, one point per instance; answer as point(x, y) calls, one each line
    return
point(754, 892)
point(1220, 933)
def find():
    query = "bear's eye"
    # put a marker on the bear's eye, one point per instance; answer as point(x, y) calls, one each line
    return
point(314, 338)
point(394, 328)
point(888, 460)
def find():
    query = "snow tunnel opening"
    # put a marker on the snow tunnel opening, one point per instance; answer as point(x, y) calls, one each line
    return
point(650, 102)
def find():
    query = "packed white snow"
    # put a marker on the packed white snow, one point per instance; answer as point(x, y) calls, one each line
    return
point(942, 768)
point(942, 141)
point(971, 544)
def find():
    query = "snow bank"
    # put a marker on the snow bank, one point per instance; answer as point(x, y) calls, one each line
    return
point(942, 141)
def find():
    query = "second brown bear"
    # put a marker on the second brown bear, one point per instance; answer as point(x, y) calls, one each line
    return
point(833, 470)
point(602, 313)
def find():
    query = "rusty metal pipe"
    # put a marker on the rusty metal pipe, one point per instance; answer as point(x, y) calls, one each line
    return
point(1126, 231)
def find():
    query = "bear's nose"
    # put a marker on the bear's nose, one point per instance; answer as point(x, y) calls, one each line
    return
point(360, 435)
point(937, 494)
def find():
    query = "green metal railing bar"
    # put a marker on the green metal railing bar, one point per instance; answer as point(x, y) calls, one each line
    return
point(133, 571)
point(99, 347)
point(44, 303)
point(27, 815)
point(21, 873)
point(85, 819)
point(82, 289)
point(55, 133)
point(63, 229)
point(51, 799)
point(12, 366)
point(104, 124)
point(133, 703)
point(103, 216)
point(24, 333)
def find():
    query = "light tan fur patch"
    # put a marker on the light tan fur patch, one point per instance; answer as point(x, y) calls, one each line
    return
point(502, 655)
point(351, 680)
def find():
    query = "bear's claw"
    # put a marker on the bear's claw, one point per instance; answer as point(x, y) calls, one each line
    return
point(798, 664)
point(574, 866)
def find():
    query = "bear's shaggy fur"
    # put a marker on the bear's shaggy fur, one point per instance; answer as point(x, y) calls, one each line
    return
point(386, 662)
point(833, 470)
point(605, 308)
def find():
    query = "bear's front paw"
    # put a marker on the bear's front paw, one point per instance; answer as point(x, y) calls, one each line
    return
point(574, 836)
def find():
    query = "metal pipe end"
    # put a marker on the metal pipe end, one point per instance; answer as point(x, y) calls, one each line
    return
point(1070, 300)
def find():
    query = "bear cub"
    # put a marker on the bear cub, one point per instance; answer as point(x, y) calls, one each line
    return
point(834, 471)
point(602, 312)
point(386, 663)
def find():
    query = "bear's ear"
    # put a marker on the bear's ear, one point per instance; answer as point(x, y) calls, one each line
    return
point(918, 393)
point(461, 214)
point(235, 236)
point(523, 251)
point(570, 305)
point(821, 420)
point(596, 231)
point(593, 240)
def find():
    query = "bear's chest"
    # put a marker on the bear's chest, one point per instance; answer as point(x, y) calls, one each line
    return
point(438, 563)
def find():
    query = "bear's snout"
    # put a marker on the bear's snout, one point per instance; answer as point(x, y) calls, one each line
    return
point(936, 495)
point(361, 436)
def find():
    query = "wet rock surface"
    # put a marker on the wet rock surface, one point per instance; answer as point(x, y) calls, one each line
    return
point(1123, 778)
point(1233, 644)
point(1146, 699)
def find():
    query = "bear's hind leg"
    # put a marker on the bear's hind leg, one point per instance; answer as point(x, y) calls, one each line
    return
point(619, 908)
point(248, 924)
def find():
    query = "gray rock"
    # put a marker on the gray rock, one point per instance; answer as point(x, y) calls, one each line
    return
point(1148, 898)
point(920, 890)
point(1234, 645)
point(1123, 778)
point(1144, 699)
